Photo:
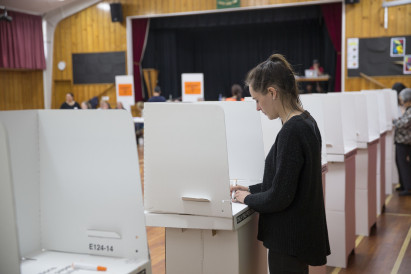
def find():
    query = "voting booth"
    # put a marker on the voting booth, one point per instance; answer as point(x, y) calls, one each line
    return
point(193, 152)
point(341, 145)
point(73, 192)
point(383, 117)
point(365, 110)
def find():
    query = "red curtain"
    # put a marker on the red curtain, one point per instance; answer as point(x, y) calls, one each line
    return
point(332, 14)
point(21, 42)
point(140, 29)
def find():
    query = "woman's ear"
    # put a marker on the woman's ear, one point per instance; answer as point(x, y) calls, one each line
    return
point(273, 92)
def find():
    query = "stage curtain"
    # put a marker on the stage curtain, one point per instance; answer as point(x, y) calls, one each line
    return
point(225, 46)
point(21, 42)
point(139, 31)
point(332, 17)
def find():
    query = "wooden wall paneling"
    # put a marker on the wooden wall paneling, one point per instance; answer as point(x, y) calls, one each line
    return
point(61, 87)
point(21, 89)
point(365, 18)
point(401, 10)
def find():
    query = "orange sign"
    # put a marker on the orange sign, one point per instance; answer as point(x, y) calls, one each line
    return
point(125, 90)
point(192, 87)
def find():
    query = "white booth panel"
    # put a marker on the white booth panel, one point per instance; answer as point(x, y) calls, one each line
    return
point(186, 160)
point(382, 115)
point(372, 115)
point(316, 109)
point(359, 107)
point(394, 104)
point(348, 118)
point(388, 110)
point(84, 166)
point(86, 201)
point(244, 141)
point(22, 132)
point(9, 253)
point(333, 128)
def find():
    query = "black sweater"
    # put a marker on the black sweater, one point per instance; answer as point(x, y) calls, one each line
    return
point(290, 198)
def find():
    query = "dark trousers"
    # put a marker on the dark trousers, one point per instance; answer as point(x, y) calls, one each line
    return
point(282, 263)
point(403, 161)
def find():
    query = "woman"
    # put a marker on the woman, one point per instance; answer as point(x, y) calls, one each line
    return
point(70, 103)
point(402, 139)
point(292, 222)
point(237, 93)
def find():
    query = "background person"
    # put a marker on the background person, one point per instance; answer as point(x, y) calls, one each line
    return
point(292, 222)
point(236, 92)
point(157, 95)
point(402, 139)
point(70, 103)
point(104, 104)
point(85, 105)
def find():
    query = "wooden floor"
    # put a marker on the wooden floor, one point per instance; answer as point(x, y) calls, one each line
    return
point(386, 250)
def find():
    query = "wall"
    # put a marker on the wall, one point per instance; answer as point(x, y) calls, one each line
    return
point(21, 89)
point(92, 31)
point(366, 20)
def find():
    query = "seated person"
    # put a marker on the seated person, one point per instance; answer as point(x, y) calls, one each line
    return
point(236, 92)
point(157, 95)
point(104, 104)
point(319, 71)
point(70, 103)
point(85, 105)
point(119, 105)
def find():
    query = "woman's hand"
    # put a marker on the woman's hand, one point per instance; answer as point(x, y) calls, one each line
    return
point(234, 188)
point(240, 195)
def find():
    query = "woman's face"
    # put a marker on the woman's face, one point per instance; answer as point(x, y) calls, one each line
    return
point(268, 103)
point(69, 98)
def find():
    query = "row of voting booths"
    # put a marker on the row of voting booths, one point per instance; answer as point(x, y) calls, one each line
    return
point(54, 217)
point(193, 152)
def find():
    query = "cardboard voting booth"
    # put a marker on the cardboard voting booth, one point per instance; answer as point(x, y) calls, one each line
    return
point(367, 131)
point(340, 139)
point(381, 149)
point(76, 191)
point(193, 152)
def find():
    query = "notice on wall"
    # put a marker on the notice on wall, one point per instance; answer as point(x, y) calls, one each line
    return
point(193, 86)
point(397, 46)
point(352, 53)
point(407, 64)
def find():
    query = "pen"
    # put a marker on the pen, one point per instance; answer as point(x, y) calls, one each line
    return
point(233, 192)
point(88, 267)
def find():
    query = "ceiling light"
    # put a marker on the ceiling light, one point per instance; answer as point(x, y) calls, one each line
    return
point(104, 6)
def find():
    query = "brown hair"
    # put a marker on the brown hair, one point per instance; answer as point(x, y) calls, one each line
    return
point(276, 72)
point(237, 91)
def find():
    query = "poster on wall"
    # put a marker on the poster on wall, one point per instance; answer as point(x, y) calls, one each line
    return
point(397, 46)
point(407, 64)
point(352, 53)
point(224, 4)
